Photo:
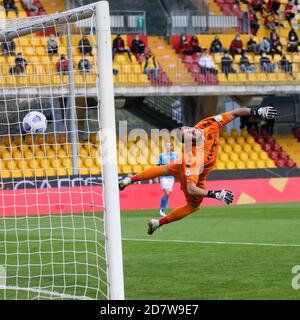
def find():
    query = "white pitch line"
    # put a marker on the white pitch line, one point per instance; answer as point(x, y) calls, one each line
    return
point(259, 244)
point(41, 291)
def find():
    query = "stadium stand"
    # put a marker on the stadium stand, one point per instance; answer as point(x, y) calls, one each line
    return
point(291, 146)
point(241, 151)
point(238, 151)
point(275, 148)
point(170, 63)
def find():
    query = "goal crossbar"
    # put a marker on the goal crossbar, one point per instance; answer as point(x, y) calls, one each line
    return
point(25, 26)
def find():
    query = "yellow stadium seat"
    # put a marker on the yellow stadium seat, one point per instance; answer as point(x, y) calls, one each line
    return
point(222, 78)
point(230, 141)
point(83, 171)
point(136, 68)
point(126, 169)
point(133, 79)
point(22, 81)
point(22, 14)
point(244, 156)
point(55, 163)
point(126, 68)
point(50, 172)
point(63, 172)
point(6, 140)
point(94, 170)
point(39, 154)
point(263, 155)
point(66, 163)
point(222, 141)
point(220, 165)
point(36, 41)
point(11, 81)
point(281, 76)
point(83, 152)
point(88, 162)
point(240, 140)
point(6, 155)
point(227, 148)
point(252, 77)
point(250, 140)
point(272, 77)
point(28, 51)
point(277, 58)
point(256, 147)
point(17, 154)
point(33, 164)
point(16, 174)
point(250, 164)
point(22, 164)
point(121, 57)
point(40, 51)
point(90, 79)
point(242, 77)
point(17, 140)
point(230, 165)
point(137, 168)
point(224, 157)
point(97, 161)
point(23, 41)
point(260, 164)
point(39, 172)
point(5, 174)
point(143, 79)
point(234, 156)
point(253, 156)
point(247, 148)
point(237, 148)
point(270, 164)
point(10, 165)
point(232, 77)
point(240, 165)
point(50, 153)
point(43, 163)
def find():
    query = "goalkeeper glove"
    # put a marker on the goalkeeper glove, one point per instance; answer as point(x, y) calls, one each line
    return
point(222, 195)
point(264, 112)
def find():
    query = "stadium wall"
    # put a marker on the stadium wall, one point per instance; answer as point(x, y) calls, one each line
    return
point(81, 199)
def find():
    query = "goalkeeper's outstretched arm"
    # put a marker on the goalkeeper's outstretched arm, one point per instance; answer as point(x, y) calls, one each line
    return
point(259, 112)
point(223, 195)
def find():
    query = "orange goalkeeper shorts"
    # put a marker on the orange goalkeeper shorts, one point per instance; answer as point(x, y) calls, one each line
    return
point(175, 169)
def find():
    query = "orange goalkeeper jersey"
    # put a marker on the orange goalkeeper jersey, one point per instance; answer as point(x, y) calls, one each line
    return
point(197, 169)
point(211, 127)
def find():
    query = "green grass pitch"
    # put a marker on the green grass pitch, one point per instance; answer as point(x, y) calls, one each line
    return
point(226, 252)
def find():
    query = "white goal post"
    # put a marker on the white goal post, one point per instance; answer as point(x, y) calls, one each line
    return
point(46, 252)
point(110, 167)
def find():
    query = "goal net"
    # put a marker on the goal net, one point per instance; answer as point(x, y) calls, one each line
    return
point(59, 204)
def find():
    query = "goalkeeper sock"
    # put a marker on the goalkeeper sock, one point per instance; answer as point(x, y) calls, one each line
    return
point(177, 214)
point(149, 174)
point(164, 203)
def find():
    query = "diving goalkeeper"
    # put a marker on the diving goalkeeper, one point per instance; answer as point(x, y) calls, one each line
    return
point(196, 163)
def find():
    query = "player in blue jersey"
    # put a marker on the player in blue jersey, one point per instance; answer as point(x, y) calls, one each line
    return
point(166, 181)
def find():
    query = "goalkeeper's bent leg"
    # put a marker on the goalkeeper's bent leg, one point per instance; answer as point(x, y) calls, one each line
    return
point(150, 173)
point(178, 214)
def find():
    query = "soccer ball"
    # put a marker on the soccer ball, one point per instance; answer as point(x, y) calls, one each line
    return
point(34, 122)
